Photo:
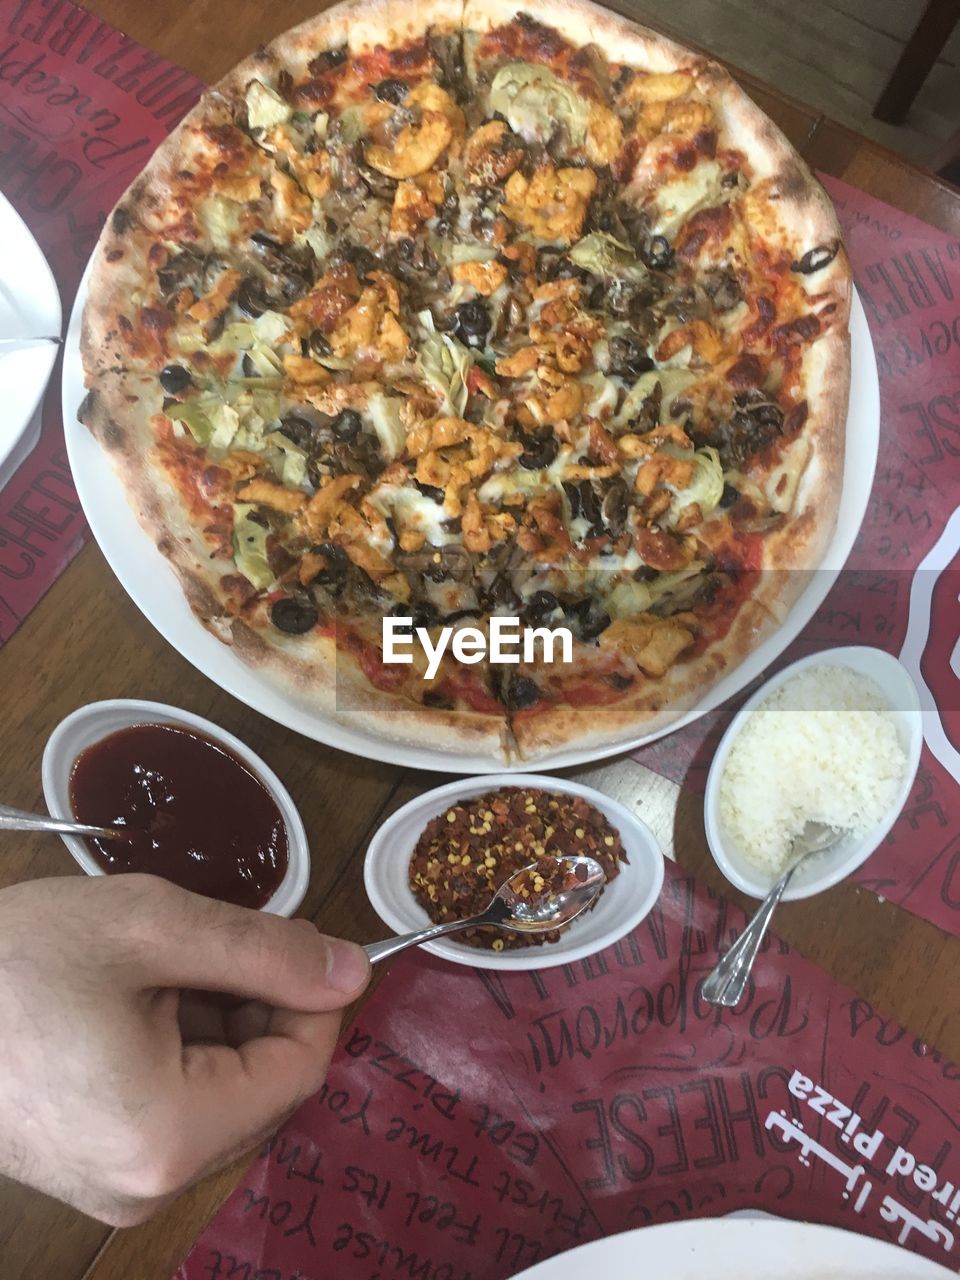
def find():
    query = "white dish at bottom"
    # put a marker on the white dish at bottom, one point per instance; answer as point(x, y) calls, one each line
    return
point(738, 1249)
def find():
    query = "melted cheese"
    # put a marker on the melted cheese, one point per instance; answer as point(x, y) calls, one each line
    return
point(412, 509)
point(684, 195)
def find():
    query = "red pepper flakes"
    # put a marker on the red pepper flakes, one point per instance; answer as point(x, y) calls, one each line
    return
point(466, 853)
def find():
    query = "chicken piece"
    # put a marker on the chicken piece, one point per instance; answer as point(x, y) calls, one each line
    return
point(305, 372)
point(322, 508)
point(488, 155)
point(294, 208)
point(604, 135)
point(658, 87)
point(429, 96)
point(417, 148)
point(553, 203)
point(483, 527)
point(242, 187)
point(706, 342)
point(687, 117)
point(663, 468)
point(267, 493)
point(653, 643)
point(218, 299)
point(523, 361)
point(485, 277)
point(411, 209)
point(543, 534)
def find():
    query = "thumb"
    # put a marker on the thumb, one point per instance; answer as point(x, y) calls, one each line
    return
point(208, 945)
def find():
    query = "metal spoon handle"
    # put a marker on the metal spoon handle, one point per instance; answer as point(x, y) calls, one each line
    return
point(377, 951)
point(19, 820)
point(727, 983)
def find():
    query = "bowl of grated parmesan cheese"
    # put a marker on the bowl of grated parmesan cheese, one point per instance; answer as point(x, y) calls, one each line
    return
point(834, 738)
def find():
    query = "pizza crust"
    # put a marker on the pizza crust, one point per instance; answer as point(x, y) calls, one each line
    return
point(584, 23)
point(338, 687)
point(653, 707)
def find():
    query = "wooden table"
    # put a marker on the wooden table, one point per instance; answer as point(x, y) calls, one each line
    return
point(109, 650)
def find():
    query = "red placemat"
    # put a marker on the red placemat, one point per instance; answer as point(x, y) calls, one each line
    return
point(473, 1123)
point(82, 107)
point(899, 589)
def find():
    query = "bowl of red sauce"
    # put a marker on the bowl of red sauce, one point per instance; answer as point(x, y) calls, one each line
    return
point(202, 809)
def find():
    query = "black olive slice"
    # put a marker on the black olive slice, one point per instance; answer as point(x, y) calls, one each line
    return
point(539, 450)
point(614, 506)
point(347, 425)
point(295, 617)
point(251, 298)
point(471, 323)
point(391, 90)
point(816, 259)
point(318, 343)
point(437, 702)
point(338, 562)
point(327, 60)
point(297, 429)
point(175, 378)
point(628, 358)
point(431, 491)
point(618, 681)
point(521, 692)
point(656, 253)
point(540, 606)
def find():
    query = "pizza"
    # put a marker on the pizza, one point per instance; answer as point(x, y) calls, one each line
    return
point(451, 313)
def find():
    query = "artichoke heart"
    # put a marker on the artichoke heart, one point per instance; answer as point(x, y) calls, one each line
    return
point(706, 487)
point(535, 101)
point(265, 107)
point(250, 547)
point(604, 255)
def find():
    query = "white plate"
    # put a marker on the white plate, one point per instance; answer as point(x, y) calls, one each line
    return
point(29, 310)
point(738, 1249)
point(851, 852)
point(29, 299)
point(151, 584)
point(624, 902)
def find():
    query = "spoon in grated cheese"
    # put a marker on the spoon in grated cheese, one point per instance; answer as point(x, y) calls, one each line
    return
point(727, 983)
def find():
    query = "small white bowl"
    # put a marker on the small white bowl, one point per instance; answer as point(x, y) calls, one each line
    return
point(851, 852)
point(624, 902)
point(97, 720)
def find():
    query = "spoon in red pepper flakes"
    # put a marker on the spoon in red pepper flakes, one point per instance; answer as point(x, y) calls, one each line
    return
point(540, 898)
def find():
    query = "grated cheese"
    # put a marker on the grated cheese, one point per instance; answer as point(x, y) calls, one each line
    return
point(823, 748)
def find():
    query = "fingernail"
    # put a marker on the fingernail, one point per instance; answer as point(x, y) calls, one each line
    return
point(347, 965)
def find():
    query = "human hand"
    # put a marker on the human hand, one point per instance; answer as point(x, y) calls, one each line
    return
point(122, 1080)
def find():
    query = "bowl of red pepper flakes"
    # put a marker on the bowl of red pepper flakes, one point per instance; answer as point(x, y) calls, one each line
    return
point(467, 852)
point(444, 855)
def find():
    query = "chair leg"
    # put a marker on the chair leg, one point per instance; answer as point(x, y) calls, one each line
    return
point(919, 55)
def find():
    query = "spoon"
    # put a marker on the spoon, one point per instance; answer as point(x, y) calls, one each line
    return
point(18, 820)
point(727, 983)
point(538, 913)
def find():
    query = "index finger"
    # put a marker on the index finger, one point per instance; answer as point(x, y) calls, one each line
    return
point(192, 941)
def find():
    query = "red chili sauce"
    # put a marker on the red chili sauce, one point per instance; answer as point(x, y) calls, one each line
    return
point(201, 818)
